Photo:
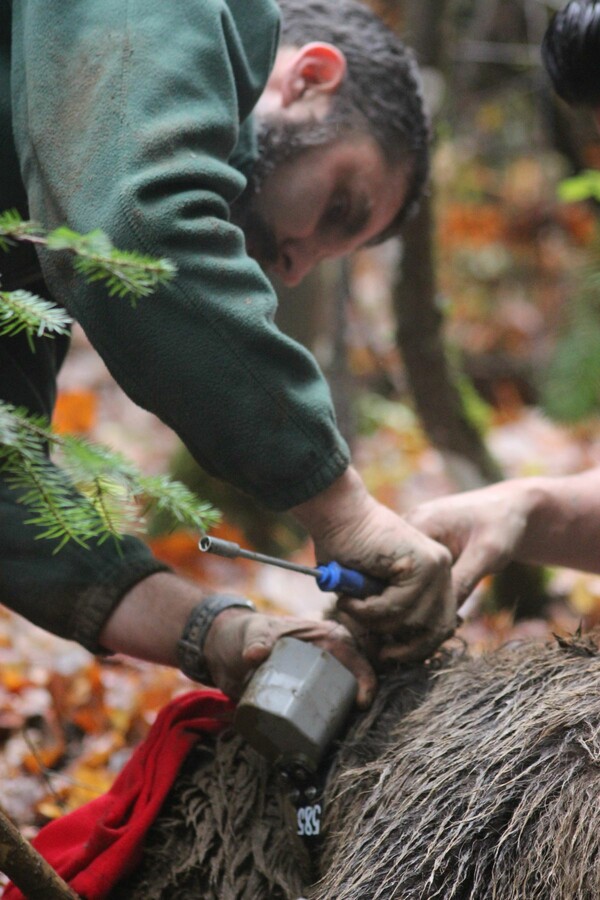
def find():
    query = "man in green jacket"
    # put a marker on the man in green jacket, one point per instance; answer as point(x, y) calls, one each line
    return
point(134, 116)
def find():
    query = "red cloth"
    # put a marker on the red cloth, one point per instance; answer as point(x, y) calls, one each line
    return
point(100, 843)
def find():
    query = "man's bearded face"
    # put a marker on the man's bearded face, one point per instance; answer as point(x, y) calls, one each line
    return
point(278, 141)
point(318, 190)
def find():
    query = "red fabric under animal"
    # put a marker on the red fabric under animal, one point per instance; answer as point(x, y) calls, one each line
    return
point(100, 843)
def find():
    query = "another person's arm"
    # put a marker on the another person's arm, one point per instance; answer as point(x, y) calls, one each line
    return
point(547, 521)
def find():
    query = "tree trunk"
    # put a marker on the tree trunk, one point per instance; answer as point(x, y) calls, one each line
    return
point(420, 338)
point(419, 332)
point(315, 314)
point(421, 344)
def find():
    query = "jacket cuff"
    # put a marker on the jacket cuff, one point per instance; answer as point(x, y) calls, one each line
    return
point(312, 483)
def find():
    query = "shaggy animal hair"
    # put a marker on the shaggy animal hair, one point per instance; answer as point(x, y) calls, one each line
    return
point(468, 778)
point(490, 789)
point(224, 833)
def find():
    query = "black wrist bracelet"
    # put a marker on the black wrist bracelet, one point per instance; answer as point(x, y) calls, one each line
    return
point(190, 648)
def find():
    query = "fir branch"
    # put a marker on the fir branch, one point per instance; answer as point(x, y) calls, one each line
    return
point(92, 465)
point(22, 431)
point(179, 502)
point(113, 505)
point(59, 514)
point(87, 461)
point(9, 425)
point(125, 273)
point(97, 493)
point(23, 311)
point(108, 480)
point(14, 228)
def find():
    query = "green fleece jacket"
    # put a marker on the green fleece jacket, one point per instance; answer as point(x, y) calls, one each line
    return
point(133, 116)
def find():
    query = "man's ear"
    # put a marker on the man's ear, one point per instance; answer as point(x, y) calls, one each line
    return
point(317, 67)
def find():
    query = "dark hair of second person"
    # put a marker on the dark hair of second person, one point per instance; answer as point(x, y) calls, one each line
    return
point(571, 52)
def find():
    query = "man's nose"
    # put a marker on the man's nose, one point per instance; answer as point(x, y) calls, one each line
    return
point(297, 258)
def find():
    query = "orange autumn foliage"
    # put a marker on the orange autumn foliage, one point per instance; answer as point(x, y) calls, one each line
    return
point(75, 412)
point(180, 549)
point(44, 758)
point(471, 224)
point(14, 678)
point(80, 698)
point(578, 220)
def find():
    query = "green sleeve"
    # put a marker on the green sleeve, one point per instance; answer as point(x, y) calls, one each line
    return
point(126, 115)
point(73, 592)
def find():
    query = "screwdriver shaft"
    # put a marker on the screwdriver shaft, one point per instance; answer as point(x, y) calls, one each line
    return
point(234, 551)
point(330, 577)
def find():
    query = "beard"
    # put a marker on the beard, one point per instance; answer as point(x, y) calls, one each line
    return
point(278, 142)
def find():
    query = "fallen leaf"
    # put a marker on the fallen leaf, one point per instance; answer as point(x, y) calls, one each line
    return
point(75, 412)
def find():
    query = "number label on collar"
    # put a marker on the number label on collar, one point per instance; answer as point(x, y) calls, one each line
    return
point(309, 820)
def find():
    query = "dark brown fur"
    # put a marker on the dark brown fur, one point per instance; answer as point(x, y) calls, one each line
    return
point(489, 789)
point(468, 778)
point(222, 833)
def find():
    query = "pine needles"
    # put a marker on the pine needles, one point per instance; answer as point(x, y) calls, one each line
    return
point(125, 274)
point(23, 311)
point(86, 492)
point(94, 492)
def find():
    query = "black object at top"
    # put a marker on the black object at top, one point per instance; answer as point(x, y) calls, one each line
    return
point(571, 52)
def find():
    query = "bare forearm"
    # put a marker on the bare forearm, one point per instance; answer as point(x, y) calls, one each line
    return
point(150, 619)
point(338, 502)
point(563, 524)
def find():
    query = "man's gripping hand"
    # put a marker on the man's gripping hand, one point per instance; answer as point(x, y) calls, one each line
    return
point(239, 641)
point(417, 611)
point(149, 622)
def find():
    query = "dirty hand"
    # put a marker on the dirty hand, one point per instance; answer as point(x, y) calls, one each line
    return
point(238, 641)
point(417, 611)
point(482, 529)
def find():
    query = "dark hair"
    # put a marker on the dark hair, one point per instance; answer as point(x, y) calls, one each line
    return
point(571, 52)
point(381, 91)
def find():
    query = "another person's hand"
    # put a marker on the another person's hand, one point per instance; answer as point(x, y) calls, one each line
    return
point(239, 641)
point(417, 611)
point(483, 530)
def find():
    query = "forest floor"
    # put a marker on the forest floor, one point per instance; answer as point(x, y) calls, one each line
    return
point(68, 721)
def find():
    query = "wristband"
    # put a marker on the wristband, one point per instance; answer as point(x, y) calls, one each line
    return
point(190, 648)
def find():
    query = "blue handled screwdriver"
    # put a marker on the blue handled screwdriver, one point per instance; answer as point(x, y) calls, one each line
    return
point(330, 577)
